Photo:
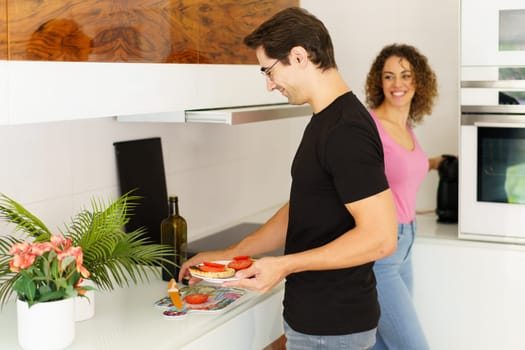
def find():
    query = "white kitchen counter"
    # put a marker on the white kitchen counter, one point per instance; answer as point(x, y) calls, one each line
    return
point(431, 231)
point(429, 228)
point(127, 319)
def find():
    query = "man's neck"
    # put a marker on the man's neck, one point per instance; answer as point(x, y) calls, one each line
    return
point(328, 86)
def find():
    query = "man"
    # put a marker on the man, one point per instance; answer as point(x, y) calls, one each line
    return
point(340, 216)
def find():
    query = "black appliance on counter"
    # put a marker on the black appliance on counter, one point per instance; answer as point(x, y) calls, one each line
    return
point(447, 194)
point(141, 168)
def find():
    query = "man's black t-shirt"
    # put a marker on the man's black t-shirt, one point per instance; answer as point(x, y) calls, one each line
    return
point(339, 160)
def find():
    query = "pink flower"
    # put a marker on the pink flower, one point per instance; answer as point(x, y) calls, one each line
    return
point(22, 256)
point(60, 243)
point(45, 255)
point(83, 271)
point(62, 254)
point(21, 261)
point(80, 290)
point(56, 240)
point(77, 253)
point(20, 248)
point(39, 249)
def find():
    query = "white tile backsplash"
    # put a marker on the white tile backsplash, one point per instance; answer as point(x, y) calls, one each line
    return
point(38, 161)
point(92, 155)
point(221, 173)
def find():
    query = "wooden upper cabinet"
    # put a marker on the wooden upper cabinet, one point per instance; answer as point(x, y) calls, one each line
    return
point(3, 30)
point(4, 82)
point(78, 59)
point(137, 31)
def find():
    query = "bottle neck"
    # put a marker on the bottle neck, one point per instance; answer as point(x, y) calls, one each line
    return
point(174, 207)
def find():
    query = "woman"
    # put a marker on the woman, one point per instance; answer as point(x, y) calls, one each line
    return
point(400, 90)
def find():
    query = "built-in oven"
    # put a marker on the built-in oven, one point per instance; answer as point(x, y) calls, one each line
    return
point(492, 154)
point(492, 125)
point(492, 173)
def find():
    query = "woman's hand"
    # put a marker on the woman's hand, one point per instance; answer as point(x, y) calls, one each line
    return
point(433, 163)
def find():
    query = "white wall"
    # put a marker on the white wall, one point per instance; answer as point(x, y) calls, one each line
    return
point(223, 173)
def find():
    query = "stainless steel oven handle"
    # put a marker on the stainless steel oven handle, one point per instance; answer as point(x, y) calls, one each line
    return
point(494, 84)
point(499, 125)
point(499, 110)
point(493, 120)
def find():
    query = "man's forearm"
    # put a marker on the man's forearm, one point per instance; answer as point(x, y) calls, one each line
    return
point(268, 237)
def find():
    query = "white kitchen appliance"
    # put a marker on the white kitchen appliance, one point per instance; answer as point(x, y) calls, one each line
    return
point(492, 127)
point(492, 175)
point(492, 32)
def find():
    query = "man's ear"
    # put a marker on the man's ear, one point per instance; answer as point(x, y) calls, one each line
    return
point(299, 55)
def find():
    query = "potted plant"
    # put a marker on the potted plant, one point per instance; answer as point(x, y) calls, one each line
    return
point(47, 277)
point(112, 256)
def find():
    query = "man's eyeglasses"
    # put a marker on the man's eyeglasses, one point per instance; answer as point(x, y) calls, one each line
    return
point(267, 71)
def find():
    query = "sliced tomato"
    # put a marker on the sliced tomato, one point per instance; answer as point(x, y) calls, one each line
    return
point(196, 298)
point(240, 264)
point(206, 268)
point(213, 264)
point(241, 257)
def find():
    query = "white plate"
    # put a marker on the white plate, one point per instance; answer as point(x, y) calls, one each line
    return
point(215, 280)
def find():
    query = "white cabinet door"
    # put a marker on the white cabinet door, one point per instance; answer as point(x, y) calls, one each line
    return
point(50, 91)
point(470, 295)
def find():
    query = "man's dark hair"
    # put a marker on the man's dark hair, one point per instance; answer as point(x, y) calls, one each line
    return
point(292, 27)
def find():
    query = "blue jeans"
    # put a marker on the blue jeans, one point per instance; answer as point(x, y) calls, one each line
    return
point(355, 341)
point(399, 327)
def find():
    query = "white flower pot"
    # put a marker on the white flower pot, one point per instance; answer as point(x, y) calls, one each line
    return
point(46, 326)
point(85, 306)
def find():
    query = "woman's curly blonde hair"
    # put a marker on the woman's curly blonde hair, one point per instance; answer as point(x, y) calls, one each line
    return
point(425, 81)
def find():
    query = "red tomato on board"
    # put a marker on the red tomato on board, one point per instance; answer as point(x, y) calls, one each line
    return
point(196, 298)
point(240, 264)
point(241, 257)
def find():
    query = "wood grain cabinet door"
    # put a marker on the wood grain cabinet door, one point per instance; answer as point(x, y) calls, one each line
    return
point(77, 59)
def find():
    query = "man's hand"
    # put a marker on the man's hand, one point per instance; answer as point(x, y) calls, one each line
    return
point(261, 276)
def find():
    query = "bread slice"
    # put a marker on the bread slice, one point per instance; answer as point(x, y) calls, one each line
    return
point(197, 272)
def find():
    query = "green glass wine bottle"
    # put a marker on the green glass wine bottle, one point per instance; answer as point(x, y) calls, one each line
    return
point(174, 232)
